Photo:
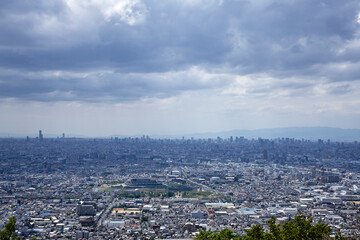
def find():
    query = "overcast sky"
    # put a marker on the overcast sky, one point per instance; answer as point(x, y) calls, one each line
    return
point(103, 67)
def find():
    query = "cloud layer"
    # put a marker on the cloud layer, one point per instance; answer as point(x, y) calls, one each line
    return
point(127, 51)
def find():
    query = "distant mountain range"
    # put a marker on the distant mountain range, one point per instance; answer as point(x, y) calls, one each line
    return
point(310, 133)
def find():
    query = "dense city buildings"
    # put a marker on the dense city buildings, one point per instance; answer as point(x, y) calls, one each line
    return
point(143, 188)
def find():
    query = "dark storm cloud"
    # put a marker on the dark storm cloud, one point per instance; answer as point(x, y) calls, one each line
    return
point(165, 40)
point(102, 86)
point(19, 18)
point(294, 35)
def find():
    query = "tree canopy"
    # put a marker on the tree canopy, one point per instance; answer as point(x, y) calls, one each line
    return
point(9, 231)
point(300, 228)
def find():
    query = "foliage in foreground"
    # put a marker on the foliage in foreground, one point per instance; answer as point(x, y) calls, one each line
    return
point(301, 228)
point(9, 232)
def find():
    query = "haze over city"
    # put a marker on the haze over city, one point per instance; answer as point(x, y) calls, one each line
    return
point(97, 68)
point(180, 119)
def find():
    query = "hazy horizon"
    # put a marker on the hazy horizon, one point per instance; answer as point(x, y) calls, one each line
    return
point(306, 133)
point(98, 68)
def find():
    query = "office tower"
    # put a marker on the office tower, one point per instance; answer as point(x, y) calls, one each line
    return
point(40, 135)
point(265, 154)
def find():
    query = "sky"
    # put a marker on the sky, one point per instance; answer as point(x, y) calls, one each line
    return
point(106, 67)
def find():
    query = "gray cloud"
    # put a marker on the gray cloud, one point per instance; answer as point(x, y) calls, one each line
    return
point(103, 85)
point(108, 55)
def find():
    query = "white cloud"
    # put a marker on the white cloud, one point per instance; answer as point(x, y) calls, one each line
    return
point(131, 12)
point(81, 20)
point(198, 64)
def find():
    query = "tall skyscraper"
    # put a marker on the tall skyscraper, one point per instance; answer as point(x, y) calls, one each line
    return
point(265, 154)
point(40, 135)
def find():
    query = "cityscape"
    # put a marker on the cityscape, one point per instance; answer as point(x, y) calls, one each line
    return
point(144, 188)
point(180, 119)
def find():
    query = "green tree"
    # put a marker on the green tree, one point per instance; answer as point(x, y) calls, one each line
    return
point(224, 234)
point(275, 230)
point(204, 235)
point(300, 228)
point(9, 232)
point(338, 236)
point(255, 232)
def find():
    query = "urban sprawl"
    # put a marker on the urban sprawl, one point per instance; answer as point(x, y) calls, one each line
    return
point(144, 188)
